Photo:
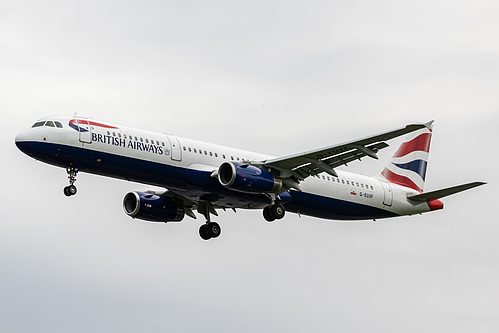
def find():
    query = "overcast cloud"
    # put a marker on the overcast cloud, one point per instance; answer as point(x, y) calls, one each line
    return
point(277, 77)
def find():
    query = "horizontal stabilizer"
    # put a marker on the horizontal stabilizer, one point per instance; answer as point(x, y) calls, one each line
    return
point(444, 192)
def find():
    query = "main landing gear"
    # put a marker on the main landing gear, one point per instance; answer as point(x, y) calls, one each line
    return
point(71, 189)
point(273, 212)
point(209, 229)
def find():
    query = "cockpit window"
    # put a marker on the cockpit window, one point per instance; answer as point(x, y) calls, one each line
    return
point(38, 124)
point(48, 123)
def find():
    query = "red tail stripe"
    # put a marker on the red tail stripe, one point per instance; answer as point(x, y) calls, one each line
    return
point(420, 143)
point(400, 180)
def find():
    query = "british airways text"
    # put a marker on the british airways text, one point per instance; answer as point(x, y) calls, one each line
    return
point(112, 140)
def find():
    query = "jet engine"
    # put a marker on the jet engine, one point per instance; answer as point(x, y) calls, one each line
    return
point(247, 178)
point(153, 208)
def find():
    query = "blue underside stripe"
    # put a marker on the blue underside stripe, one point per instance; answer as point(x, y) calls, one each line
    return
point(197, 185)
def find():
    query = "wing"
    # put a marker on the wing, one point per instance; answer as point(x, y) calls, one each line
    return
point(297, 167)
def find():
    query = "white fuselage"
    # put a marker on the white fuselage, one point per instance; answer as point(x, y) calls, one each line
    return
point(184, 166)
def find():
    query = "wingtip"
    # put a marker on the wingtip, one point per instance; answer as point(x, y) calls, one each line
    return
point(429, 124)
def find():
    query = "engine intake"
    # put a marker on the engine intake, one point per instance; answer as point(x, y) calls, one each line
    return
point(247, 178)
point(153, 208)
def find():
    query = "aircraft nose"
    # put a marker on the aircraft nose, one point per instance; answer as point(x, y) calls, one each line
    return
point(22, 137)
point(23, 140)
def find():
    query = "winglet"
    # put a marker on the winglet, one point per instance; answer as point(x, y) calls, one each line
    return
point(429, 124)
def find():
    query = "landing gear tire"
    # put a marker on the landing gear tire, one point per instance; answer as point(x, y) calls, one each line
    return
point(70, 190)
point(203, 232)
point(210, 230)
point(277, 211)
point(267, 215)
point(214, 229)
point(273, 212)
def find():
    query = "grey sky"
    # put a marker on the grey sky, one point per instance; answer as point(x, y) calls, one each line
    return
point(269, 76)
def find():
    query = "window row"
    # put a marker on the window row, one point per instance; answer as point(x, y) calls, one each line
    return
point(162, 143)
point(132, 137)
point(345, 182)
point(209, 153)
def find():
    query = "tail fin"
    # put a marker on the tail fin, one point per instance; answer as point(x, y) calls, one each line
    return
point(408, 166)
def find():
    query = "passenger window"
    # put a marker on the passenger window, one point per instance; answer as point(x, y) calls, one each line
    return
point(223, 156)
point(141, 140)
point(205, 152)
point(163, 144)
point(114, 134)
point(343, 181)
point(211, 154)
point(216, 155)
point(119, 135)
point(108, 133)
point(58, 124)
point(232, 158)
point(189, 150)
point(38, 124)
point(147, 141)
point(50, 124)
point(136, 139)
point(195, 150)
point(157, 143)
point(185, 149)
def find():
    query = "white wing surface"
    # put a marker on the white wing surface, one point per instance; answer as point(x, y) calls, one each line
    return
point(300, 166)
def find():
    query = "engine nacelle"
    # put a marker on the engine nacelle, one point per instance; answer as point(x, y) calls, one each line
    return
point(150, 207)
point(247, 178)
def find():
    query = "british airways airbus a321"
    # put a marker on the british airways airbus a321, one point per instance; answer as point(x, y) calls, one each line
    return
point(203, 177)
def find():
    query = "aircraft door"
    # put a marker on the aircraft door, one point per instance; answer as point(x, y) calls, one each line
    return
point(176, 152)
point(387, 189)
point(84, 130)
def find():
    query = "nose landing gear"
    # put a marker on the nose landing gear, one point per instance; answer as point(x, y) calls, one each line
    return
point(71, 189)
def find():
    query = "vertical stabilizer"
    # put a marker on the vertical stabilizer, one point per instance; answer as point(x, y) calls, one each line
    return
point(408, 166)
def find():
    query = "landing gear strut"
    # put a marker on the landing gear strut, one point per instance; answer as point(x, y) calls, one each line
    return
point(71, 189)
point(273, 212)
point(209, 229)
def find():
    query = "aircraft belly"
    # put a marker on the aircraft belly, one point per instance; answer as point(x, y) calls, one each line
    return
point(193, 184)
point(333, 208)
point(199, 185)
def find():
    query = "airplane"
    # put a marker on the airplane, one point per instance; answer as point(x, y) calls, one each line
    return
point(204, 177)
